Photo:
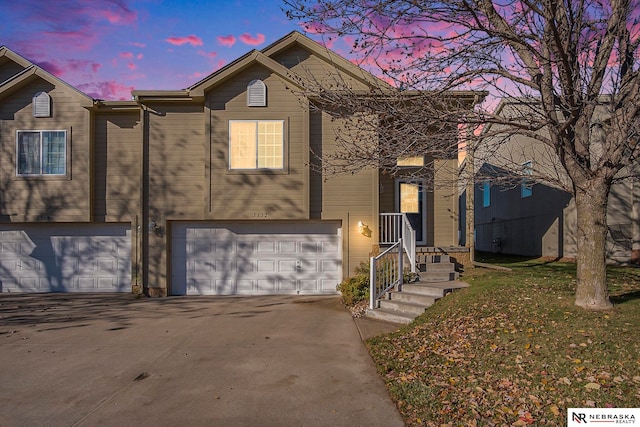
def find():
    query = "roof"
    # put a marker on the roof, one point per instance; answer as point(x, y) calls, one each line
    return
point(31, 71)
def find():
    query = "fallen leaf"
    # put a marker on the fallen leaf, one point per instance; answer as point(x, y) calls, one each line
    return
point(554, 410)
point(592, 386)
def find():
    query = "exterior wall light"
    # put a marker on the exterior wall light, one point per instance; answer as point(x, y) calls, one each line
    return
point(364, 229)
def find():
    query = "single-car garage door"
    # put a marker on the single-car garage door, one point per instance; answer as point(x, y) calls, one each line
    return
point(256, 258)
point(65, 258)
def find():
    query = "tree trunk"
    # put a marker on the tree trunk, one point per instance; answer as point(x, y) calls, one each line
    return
point(591, 208)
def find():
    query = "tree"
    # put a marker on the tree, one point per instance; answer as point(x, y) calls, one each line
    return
point(576, 60)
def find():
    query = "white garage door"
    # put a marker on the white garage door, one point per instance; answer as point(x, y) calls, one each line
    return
point(256, 258)
point(65, 258)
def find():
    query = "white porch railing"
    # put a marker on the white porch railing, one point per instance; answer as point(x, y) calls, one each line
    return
point(395, 227)
point(385, 272)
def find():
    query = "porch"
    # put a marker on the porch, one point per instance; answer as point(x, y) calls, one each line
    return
point(405, 277)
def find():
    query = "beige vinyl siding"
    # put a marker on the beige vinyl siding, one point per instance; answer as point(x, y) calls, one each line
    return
point(258, 194)
point(316, 69)
point(445, 203)
point(350, 199)
point(117, 155)
point(59, 198)
point(176, 161)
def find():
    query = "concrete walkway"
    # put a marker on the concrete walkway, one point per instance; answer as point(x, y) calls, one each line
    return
point(114, 360)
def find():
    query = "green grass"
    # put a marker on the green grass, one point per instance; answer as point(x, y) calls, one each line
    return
point(513, 349)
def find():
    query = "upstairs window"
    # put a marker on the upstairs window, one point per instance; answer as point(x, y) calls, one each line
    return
point(41, 105)
point(41, 152)
point(256, 144)
point(526, 185)
point(256, 94)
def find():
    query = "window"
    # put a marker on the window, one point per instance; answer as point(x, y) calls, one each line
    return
point(526, 185)
point(411, 161)
point(256, 94)
point(41, 105)
point(42, 152)
point(256, 144)
point(486, 194)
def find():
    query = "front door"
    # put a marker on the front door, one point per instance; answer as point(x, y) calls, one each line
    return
point(411, 200)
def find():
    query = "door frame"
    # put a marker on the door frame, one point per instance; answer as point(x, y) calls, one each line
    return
point(422, 198)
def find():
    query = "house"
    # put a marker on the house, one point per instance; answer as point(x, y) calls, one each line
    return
point(536, 217)
point(205, 190)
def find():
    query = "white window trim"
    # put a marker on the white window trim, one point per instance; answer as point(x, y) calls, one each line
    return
point(41, 131)
point(256, 168)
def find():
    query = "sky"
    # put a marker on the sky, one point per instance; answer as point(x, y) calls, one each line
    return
point(107, 48)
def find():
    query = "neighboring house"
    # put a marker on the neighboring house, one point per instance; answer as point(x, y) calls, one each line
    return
point(205, 190)
point(534, 217)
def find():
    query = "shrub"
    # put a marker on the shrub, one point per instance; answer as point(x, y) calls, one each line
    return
point(356, 288)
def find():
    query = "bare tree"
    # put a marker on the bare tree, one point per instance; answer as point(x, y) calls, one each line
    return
point(576, 59)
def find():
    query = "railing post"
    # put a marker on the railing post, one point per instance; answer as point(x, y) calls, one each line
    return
point(400, 262)
point(372, 283)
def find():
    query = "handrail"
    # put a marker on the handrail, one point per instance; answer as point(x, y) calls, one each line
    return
point(396, 226)
point(385, 272)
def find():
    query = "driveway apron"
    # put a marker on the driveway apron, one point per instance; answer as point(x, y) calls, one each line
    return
point(85, 360)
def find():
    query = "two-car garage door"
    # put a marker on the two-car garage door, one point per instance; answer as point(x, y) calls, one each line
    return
point(65, 258)
point(236, 258)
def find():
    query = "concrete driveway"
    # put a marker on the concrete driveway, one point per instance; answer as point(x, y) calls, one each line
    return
point(114, 360)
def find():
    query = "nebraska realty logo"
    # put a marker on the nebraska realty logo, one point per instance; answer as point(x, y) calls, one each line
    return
point(582, 416)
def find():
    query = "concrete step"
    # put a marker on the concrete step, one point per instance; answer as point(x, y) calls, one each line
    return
point(390, 316)
point(441, 266)
point(424, 300)
point(403, 307)
point(422, 258)
point(421, 288)
point(438, 276)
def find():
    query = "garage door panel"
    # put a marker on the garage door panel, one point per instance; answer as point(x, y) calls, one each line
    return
point(256, 258)
point(65, 258)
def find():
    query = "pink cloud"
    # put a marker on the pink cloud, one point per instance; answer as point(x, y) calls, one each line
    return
point(227, 40)
point(247, 38)
point(139, 56)
point(193, 40)
point(207, 54)
point(51, 68)
point(132, 66)
point(78, 40)
point(126, 55)
point(137, 44)
point(60, 68)
point(110, 90)
point(115, 12)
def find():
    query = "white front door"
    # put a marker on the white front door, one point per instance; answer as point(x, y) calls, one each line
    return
point(412, 201)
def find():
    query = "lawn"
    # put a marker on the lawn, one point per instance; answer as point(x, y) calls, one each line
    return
point(512, 349)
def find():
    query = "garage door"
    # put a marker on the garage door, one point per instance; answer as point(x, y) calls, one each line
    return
point(262, 258)
point(65, 258)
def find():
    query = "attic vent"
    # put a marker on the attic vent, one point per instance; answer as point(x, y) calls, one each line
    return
point(41, 105)
point(256, 94)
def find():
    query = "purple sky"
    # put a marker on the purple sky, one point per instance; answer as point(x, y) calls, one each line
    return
point(106, 48)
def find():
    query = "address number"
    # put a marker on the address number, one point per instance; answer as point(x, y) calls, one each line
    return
point(258, 214)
